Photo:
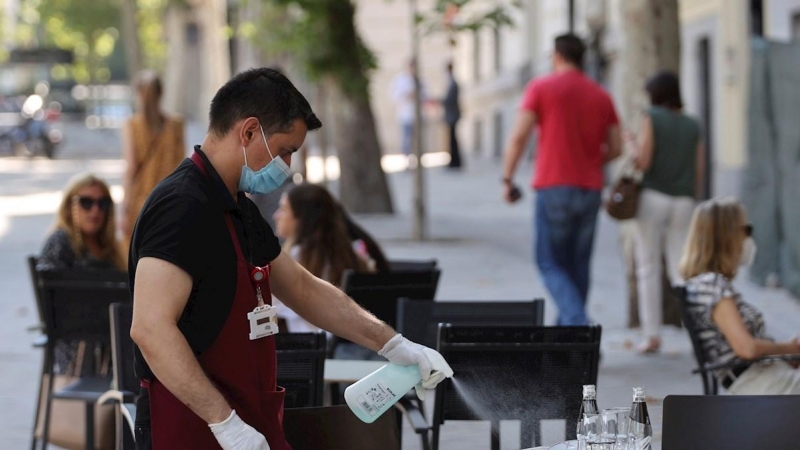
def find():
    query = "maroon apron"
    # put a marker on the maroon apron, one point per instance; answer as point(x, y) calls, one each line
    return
point(244, 371)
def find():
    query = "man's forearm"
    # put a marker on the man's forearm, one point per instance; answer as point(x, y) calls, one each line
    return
point(513, 154)
point(174, 364)
point(329, 308)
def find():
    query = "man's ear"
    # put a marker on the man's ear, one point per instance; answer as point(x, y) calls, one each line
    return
point(249, 128)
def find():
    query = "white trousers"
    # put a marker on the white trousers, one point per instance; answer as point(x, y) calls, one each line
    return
point(778, 378)
point(662, 223)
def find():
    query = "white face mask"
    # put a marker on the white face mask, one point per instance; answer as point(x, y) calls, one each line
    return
point(749, 249)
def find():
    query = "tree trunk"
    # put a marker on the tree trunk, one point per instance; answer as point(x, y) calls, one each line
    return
point(362, 185)
point(649, 41)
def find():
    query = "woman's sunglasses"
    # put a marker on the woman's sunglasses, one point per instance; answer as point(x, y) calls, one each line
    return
point(748, 230)
point(88, 202)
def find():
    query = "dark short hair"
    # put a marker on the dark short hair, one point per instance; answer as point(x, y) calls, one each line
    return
point(571, 48)
point(665, 90)
point(265, 94)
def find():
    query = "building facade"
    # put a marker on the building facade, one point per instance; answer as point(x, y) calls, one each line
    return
point(494, 66)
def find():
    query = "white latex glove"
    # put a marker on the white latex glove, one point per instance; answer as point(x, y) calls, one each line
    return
point(234, 434)
point(432, 366)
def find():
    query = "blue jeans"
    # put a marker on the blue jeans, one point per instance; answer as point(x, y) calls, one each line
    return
point(565, 220)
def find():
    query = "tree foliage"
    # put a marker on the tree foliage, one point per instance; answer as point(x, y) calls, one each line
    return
point(90, 29)
point(319, 35)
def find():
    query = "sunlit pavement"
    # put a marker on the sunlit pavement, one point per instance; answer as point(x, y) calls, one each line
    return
point(482, 245)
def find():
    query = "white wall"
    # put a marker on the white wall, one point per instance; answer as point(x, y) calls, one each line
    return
point(778, 15)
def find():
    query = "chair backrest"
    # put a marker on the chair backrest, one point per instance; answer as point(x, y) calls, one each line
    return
point(519, 373)
point(75, 303)
point(419, 320)
point(122, 347)
point(301, 367)
point(337, 428)
point(694, 329)
point(380, 292)
point(407, 265)
point(731, 421)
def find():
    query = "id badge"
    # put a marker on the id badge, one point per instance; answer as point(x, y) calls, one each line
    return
point(263, 322)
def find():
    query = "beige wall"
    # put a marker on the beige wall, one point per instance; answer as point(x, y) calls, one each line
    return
point(386, 29)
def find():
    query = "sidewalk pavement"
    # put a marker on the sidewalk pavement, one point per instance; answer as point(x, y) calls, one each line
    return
point(483, 247)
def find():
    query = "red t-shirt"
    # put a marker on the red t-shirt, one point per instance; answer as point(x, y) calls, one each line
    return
point(574, 115)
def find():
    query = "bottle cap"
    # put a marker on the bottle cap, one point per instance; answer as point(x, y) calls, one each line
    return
point(638, 393)
point(589, 391)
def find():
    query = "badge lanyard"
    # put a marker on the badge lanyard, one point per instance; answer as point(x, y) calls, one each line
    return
point(264, 318)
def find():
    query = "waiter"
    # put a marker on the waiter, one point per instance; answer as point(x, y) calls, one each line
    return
point(203, 266)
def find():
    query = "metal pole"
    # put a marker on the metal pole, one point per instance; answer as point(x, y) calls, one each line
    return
point(420, 232)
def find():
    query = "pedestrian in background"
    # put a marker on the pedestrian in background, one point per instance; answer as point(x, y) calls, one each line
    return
point(452, 113)
point(578, 134)
point(404, 89)
point(152, 145)
point(669, 152)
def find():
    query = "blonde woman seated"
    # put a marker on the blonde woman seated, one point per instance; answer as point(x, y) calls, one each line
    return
point(731, 329)
point(315, 234)
point(83, 239)
point(84, 234)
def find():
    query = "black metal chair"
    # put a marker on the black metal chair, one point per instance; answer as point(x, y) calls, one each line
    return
point(731, 421)
point(380, 292)
point(704, 368)
point(301, 367)
point(419, 320)
point(515, 373)
point(39, 342)
point(337, 428)
point(408, 265)
point(75, 307)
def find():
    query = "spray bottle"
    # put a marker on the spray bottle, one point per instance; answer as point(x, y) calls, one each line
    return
point(377, 392)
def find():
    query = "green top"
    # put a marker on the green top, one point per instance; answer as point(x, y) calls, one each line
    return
point(675, 139)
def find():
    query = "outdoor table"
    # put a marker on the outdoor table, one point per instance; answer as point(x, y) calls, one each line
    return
point(349, 370)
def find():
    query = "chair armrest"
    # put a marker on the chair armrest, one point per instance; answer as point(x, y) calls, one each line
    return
point(116, 396)
point(411, 409)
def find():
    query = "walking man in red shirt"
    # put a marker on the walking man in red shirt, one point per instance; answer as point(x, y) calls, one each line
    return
point(578, 134)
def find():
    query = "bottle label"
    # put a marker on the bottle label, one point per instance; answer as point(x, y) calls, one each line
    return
point(376, 397)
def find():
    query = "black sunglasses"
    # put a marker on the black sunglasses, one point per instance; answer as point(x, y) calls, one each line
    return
point(748, 230)
point(88, 202)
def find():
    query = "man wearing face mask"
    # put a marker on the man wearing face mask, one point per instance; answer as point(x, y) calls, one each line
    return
point(203, 265)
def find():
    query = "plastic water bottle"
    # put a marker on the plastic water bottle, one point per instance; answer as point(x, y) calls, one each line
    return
point(640, 431)
point(377, 392)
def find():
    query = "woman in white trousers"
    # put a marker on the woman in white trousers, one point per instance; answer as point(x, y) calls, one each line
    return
point(670, 155)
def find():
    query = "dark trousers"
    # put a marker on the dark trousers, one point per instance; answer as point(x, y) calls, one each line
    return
point(455, 153)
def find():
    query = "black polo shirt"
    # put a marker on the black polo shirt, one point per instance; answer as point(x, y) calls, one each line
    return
point(183, 222)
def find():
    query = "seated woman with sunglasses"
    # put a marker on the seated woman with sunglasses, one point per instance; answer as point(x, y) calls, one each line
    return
point(83, 239)
point(84, 234)
point(730, 329)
